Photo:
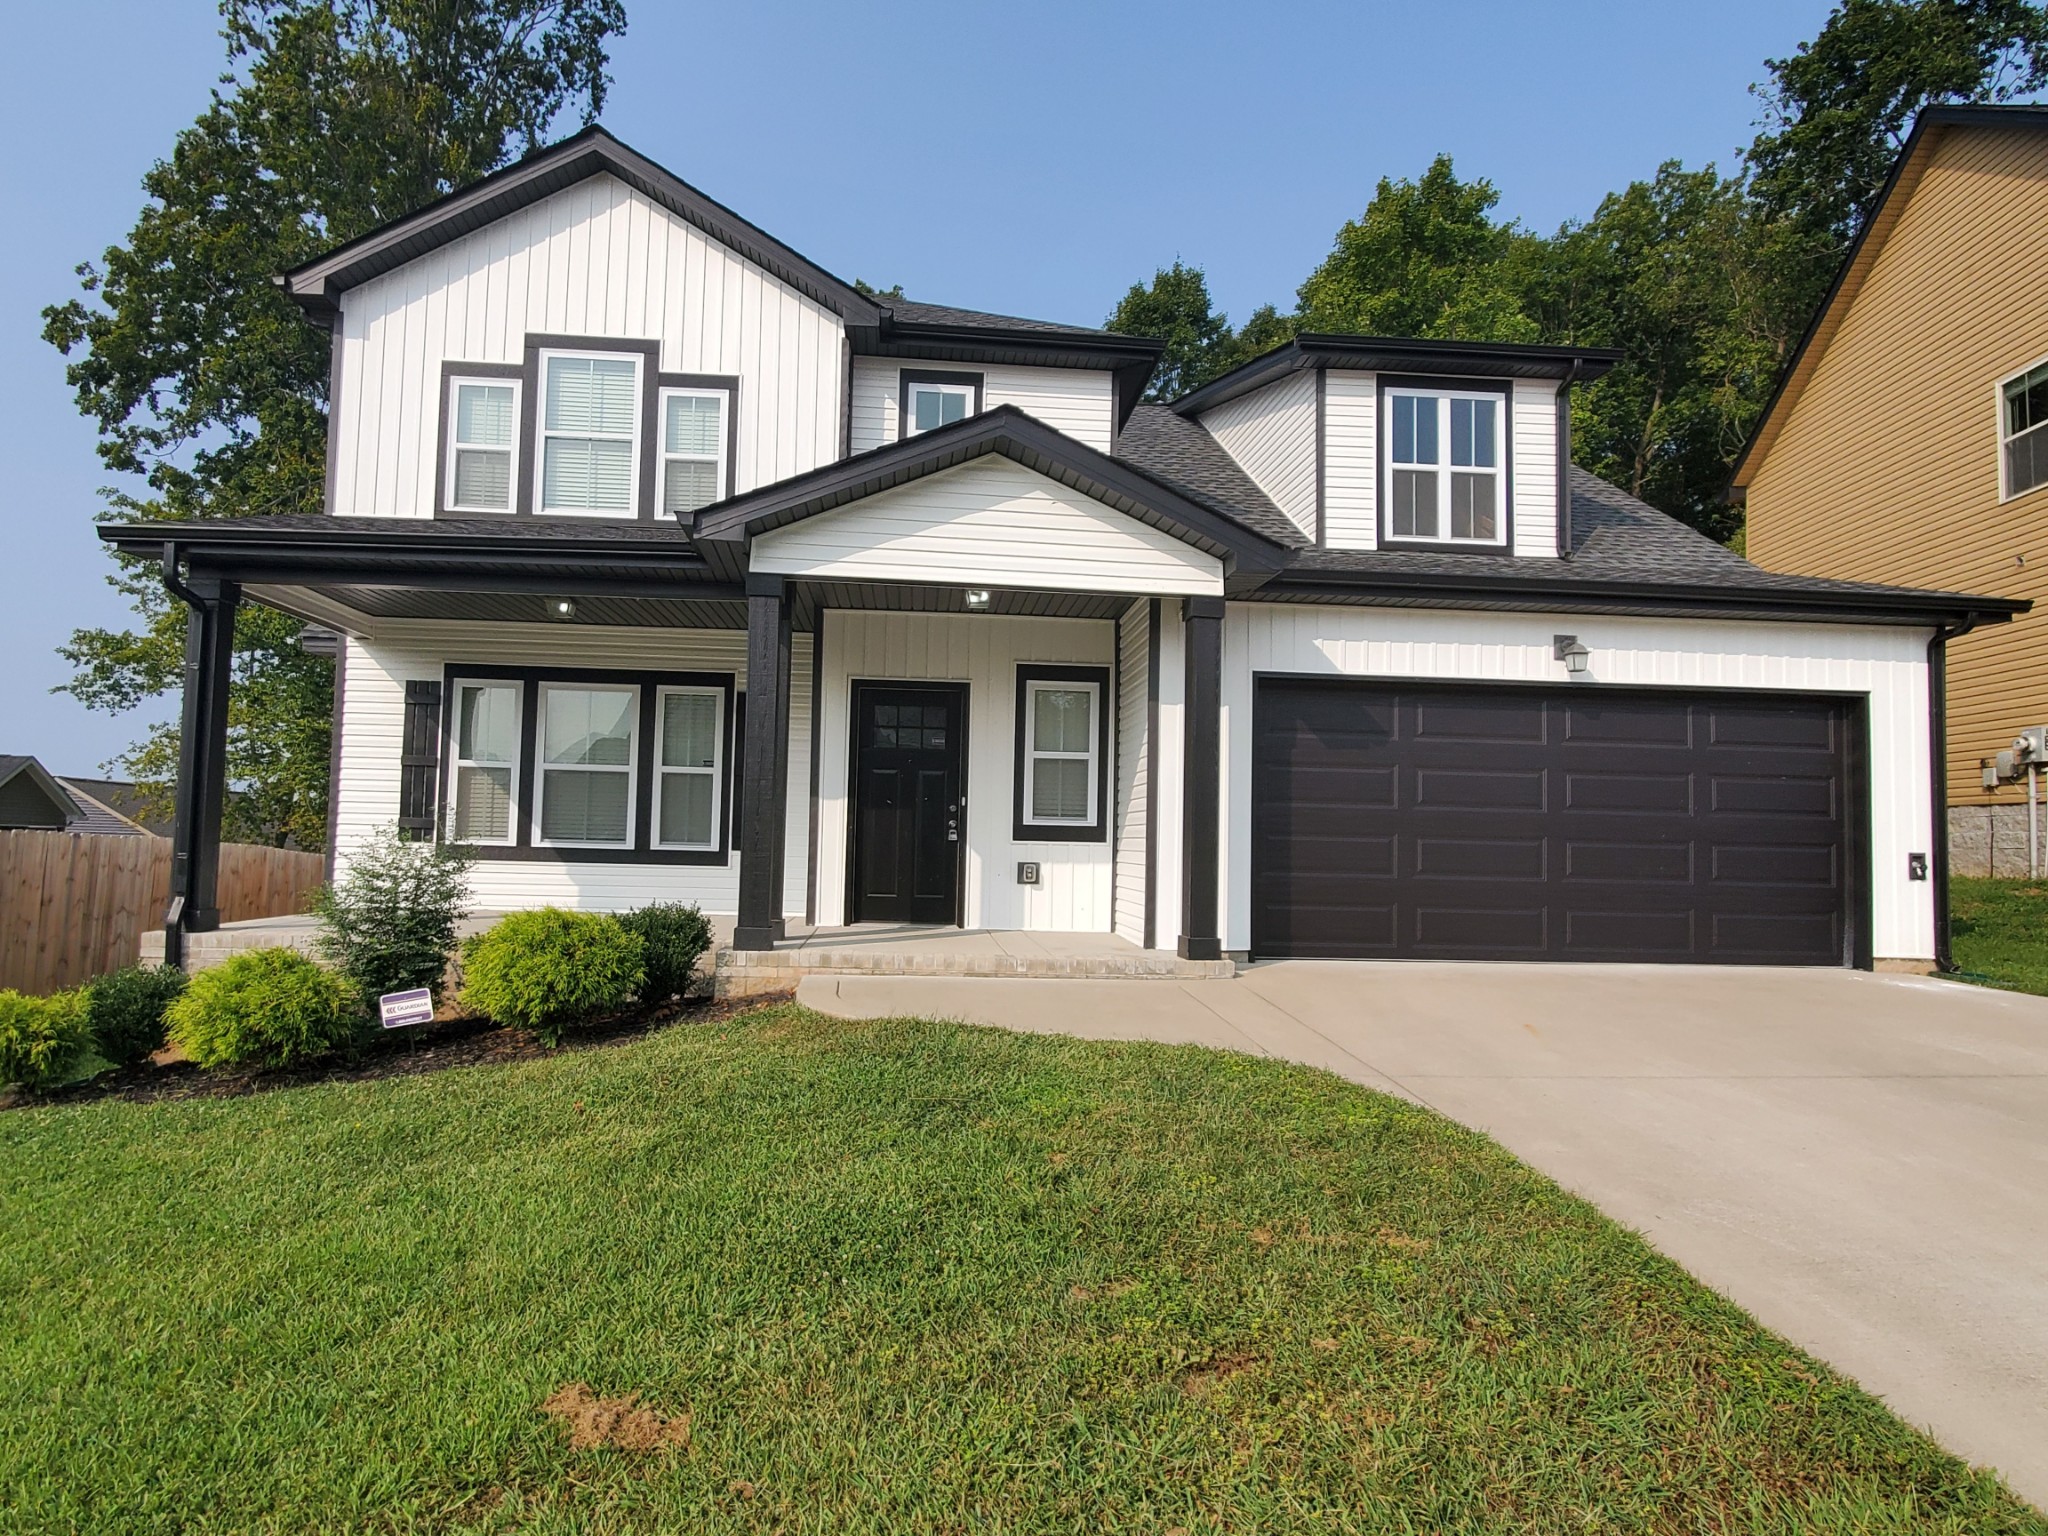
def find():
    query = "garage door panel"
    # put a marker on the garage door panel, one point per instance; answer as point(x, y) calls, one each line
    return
point(1528, 823)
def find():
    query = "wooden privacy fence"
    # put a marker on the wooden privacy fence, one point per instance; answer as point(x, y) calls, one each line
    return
point(74, 905)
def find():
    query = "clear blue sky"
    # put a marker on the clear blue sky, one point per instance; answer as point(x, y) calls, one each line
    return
point(1030, 159)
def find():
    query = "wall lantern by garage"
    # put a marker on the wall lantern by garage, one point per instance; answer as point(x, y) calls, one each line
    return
point(1576, 657)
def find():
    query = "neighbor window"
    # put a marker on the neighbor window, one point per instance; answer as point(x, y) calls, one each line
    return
point(692, 449)
point(589, 434)
point(687, 767)
point(934, 400)
point(2024, 430)
point(483, 420)
point(1060, 751)
point(486, 767)
point(1445, 451)
point(586, 766)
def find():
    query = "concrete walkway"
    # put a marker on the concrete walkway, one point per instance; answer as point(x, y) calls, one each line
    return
point(1860, 1161)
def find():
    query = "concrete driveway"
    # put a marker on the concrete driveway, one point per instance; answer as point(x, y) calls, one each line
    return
point(1860, 1161)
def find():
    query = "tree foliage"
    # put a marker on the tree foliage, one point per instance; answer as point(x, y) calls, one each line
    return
point(208, 388)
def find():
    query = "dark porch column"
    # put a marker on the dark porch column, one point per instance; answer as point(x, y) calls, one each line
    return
point(1201, 711)
point(764, 801)
point(202, 762)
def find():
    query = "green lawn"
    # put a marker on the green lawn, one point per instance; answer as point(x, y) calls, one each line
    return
point(2001, 932)
point(903, 1277)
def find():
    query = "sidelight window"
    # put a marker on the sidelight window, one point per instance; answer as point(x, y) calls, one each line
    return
point(688, 768)
point(486, 767)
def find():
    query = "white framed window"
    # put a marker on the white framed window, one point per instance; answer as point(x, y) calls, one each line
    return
point(1062, 752)
point(932, 400)
point(689, 766)
point(693, 448)
point(483, 443)
point(483, 782)
point(1444, 466)
point(585, 763)
point(589, 425)
point(2023, 431)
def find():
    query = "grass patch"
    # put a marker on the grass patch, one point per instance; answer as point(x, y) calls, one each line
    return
point(2001, 932)
point(881, 1277)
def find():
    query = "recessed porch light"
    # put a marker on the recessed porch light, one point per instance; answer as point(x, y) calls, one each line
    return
point(977, 602)
point(561, 607)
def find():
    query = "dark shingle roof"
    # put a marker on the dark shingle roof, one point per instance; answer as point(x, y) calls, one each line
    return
point(913, 313)
point(100, 815)
point(1181, 452)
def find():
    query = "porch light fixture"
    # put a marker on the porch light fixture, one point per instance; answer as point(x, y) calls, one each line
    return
point(561, 607)
point(1576, 657)
point(977, 602)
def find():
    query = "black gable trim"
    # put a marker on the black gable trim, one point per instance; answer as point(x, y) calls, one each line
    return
point(1014, 435)
point(318, 284)
point(1401, 354)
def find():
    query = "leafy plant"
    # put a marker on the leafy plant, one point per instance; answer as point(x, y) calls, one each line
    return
point(550, 970)
point(673, 936)
point(268, 1007)
point(389, 923)
point(42, 1039)
point(125, 1011)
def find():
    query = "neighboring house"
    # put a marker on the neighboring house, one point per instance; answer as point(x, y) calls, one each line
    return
point(1909, 440)
point(115, 805)
point(669, 566)
point(33, 799)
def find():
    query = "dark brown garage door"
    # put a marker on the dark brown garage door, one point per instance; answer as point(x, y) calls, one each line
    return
point(1536, 824)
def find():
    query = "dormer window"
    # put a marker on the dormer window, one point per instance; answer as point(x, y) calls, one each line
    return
point(931, 400)
point(2023, 431)
point(589, 434)
point(1444, 473)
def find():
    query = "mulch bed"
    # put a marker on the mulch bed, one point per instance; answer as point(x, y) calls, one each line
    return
point(459, 1040)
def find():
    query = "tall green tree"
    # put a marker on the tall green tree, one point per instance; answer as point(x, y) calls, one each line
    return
point(1200, 345)
point(208, 389)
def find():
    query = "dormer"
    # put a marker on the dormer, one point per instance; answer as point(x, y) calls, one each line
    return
point(1386, 443)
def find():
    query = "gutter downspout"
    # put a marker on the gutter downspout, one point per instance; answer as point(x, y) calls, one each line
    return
point(1564, 458)
point(1937, 747)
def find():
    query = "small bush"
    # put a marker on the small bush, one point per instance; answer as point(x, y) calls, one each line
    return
point(389, 924)
point(267, 1007)
point(673, 937)
point(550, 970)
point(43, 1040)
point(125, 1011)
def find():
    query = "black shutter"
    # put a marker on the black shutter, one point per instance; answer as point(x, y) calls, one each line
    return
point(419, 772)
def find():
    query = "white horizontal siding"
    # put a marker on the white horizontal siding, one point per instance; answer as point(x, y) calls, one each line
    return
point(1533, 414)
point(596, 259)
point(1132, 777)
point(1888, 666)
point(1074, 893)
point(1271, 432)
point(372, 724)
point(1351, 460)
point(991, 522)
point(1077, 401)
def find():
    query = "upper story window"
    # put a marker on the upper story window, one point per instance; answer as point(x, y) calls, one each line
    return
point(693, 448)
point(589, 434)
point(934, 399)
point(2023, 430)
point(483, 430)
point(1444, 475)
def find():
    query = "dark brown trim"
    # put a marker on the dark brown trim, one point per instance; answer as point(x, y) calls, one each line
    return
point(963, 694)
point(905, 377)
point(1097, 830)
point(817, 760)
point(764, 821)
point(530, 403)
point(845, 396)
point(1152, 774)
point(730, 383)
point(444, 444)
point(1564, 463)
point(1937, 748)
point(338, 710)
point(1322, 447)
point(1396, 354)
point(524, 849)
point(1201, 777)
point(334, 355)
point(1384, 469)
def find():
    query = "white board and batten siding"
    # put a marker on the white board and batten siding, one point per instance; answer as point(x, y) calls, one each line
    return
point(989, 523)
point(1075, 889)
point(372, 727)
point(1077, 401)
point(596, 259)
point(1886, 665)
point(1271, 432)
point(1133, 775)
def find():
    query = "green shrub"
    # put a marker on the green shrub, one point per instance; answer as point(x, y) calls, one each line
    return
point(389, 924)
point(43, 1040)
point(550, 970)
point(268, 1007)
point(125, 1011)
point(673, 937)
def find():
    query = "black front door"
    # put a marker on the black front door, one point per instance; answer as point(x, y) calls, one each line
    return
point(906, 802)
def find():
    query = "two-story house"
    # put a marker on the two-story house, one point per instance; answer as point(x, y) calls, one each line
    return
point(668, 565)
point(1909, 440)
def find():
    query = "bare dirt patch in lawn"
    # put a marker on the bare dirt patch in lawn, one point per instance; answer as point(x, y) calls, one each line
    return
point(619, 1423)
